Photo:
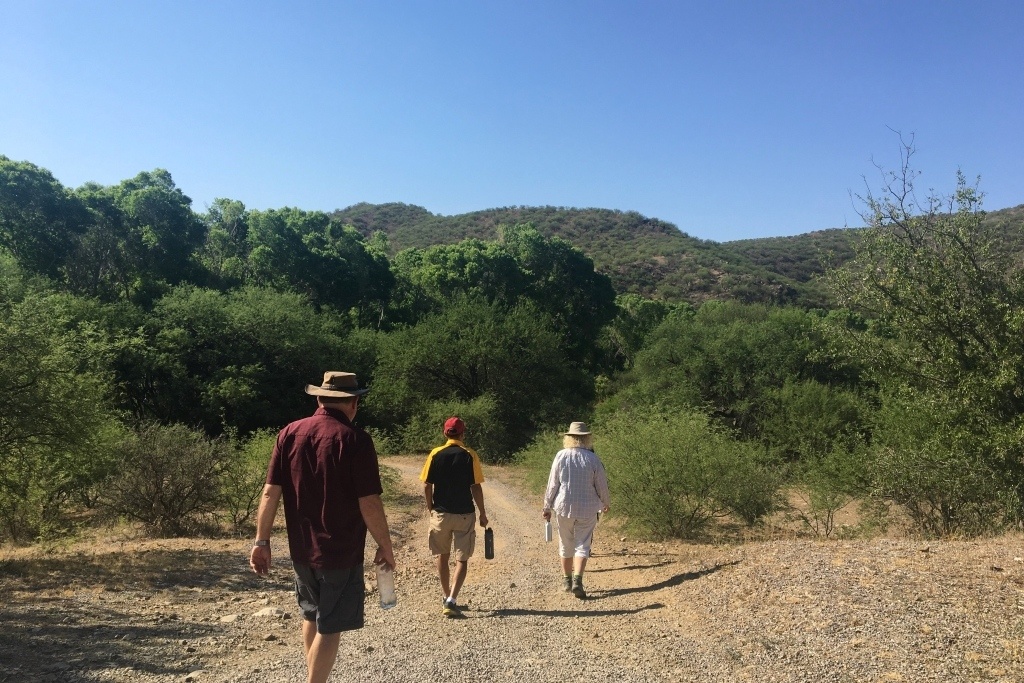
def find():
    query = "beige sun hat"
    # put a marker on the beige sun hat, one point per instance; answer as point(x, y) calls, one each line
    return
point(578, 429)
point(337, 384)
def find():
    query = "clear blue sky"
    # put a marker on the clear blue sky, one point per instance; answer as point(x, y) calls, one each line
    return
point(728, 119)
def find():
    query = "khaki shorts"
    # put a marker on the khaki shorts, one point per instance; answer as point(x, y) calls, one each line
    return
point(446, 529)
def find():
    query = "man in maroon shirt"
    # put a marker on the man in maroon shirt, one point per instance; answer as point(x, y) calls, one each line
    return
point(325, 469)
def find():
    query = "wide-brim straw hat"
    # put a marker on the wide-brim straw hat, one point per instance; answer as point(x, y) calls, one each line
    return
point(337, 385)
point(578, 429)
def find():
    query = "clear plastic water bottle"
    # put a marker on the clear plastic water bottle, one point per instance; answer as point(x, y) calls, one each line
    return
point(386, 587)
point(547, 531)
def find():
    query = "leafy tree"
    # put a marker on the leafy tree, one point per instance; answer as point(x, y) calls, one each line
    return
point(943, 304)
point(555, 276)
point(109, 259)
point(161, 215)
point(39, 219)
point(237, 359)
point(636, 317)
point(728, 358)
point(477, 349)
point(328, 262)
point(427, 279)
point(130, 239)
point(563, 283)
point(226, 250)
point(55, 422)
point(807, 420)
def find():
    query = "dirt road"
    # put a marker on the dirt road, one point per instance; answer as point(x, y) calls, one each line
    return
point(773, 610)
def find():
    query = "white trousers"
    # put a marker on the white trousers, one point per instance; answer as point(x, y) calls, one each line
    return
point(575, 535)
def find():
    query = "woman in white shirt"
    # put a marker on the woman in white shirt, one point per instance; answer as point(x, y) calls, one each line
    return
point(577, 491)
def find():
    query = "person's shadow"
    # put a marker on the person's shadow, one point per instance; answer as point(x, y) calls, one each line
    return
point(632, 567)
point(518, 612)
point(598, 594)
point(670, 582)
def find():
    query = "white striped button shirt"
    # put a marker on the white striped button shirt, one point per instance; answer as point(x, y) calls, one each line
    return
point(577, 485)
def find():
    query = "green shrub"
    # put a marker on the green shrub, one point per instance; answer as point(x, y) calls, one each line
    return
point(56, 425)
point(169, 479)
point(827, 484)
point(535, 460)
point(808, 419)
point(42, 486)
point(673, 474)
point(391, 482)
point(243, 477)
point(35, 495)
point(485, 433)
point(748, 483)
point(939, 471)
point(384, 442)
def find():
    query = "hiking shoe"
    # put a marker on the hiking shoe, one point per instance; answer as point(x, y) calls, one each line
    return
point(577, 587)
point(449, 608)
point(568, 583)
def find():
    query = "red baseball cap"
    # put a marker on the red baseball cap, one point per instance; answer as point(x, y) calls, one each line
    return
point(454, 426)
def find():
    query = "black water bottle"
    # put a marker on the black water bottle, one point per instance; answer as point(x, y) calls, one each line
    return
point(489, 543)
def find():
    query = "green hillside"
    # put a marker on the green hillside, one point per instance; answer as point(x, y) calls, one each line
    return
point(650, 256)
point(804, 257)
point(642, 255)
point(1009, 225)
point(799, 257)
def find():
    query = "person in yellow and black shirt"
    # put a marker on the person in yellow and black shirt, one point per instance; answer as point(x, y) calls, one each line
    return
point(452, 480)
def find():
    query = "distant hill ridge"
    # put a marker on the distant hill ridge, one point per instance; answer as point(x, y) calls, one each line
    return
point(649, 256)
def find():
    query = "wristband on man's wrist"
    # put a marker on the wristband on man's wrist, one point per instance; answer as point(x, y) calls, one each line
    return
point(259, 544)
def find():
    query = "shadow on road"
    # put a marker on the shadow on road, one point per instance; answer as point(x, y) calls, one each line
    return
point(632, 566)
point(667, 583)
point(569, 612)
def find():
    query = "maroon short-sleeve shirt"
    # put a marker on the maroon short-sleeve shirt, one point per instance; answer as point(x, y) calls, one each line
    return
point(324, 465)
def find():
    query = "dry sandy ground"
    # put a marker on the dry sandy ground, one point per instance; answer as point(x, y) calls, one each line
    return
point(122, 609)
